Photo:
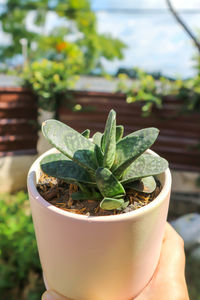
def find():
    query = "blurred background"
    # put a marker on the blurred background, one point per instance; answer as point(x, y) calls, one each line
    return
point(74, 61)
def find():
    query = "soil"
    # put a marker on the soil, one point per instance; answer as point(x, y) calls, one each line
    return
point(58, 193)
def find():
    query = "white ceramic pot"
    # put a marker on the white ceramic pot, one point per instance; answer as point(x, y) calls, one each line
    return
point(98, 258)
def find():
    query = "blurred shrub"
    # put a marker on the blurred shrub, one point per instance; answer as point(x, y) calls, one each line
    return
point(20, 271)
point(50, 80)
point(150, 92)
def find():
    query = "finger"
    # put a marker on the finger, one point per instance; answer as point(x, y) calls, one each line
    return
point(168, 281)
point(172, 259)
point(51, 295)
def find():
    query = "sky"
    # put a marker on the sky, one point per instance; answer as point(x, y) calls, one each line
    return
point(156, 42)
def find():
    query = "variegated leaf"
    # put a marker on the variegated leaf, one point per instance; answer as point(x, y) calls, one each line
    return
point(59, 166)
point(144, 166)
point(86, 133)
point(145, 185)
point(110, 140)
point(131, 147)
point(107, 183)
point(111, 203)
point(70, 143)
point(119, 132)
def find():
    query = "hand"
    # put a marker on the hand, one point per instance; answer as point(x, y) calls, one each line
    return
point(168, 281)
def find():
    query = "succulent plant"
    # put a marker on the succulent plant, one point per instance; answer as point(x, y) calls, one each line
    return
point(106, 165)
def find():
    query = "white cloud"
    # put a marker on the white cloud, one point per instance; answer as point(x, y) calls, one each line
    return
point(156, 42)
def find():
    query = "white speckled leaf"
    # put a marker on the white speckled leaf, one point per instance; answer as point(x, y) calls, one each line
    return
point(107, 183)
point(131, 147)
point(143, 166)
point(111, 203)
point(71, 143)
point(110, 140)
point(145, 185)
point(59, 166)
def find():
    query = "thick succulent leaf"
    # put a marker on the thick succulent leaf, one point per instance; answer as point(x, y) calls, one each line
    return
point(111, 203)
point(59, 166)
point(97, 138)
point(124, 205)
point(86, 189)
point(131, 147)
point(85, 196)
point(144, 166)
point(71, 143)
point(99, 156)
point(119, 132)
point(145, 185)
point(119, 135)
point(110, 140)
point(107, 183)
point(86, 133)
point(103, 143)
point(79, 196)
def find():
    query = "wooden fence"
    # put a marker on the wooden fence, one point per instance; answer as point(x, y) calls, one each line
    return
point(18, 117)
point(178, 142)
point(179, 138)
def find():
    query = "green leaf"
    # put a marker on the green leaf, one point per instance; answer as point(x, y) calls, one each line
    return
point(110, 140)
point(59, 166)
point(97, 138)
point(144, 166)
point(124, 205)
point(131, 147)
point(71, 143)
point(86, 133)
point(107, 183)
point(119, 132)
point(145, 185)
point(79, 196)
point(99, 156)
point(111, 203)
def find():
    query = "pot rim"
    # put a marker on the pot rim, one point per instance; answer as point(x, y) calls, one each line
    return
point(31, 184)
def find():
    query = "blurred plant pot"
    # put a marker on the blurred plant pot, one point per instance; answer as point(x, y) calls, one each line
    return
point(98, 258)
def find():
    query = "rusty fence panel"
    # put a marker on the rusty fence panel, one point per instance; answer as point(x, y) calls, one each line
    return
point(179, 139)
point(18, 122)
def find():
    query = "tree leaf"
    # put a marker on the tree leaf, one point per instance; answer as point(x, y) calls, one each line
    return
point(144, 166)
point(107, 183)
point(110, 140)
point(145, 185)
point(131, 147)
point(71, 143)
point(59, 166)
point(111, 203)
point(119, 132)
point(86, 133)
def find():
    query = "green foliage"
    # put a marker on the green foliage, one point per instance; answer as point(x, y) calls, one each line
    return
point(49, 80)
point(143, 89)
point(150, 92)
point(75, 21)
point(20, 271)
point(104, 166)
